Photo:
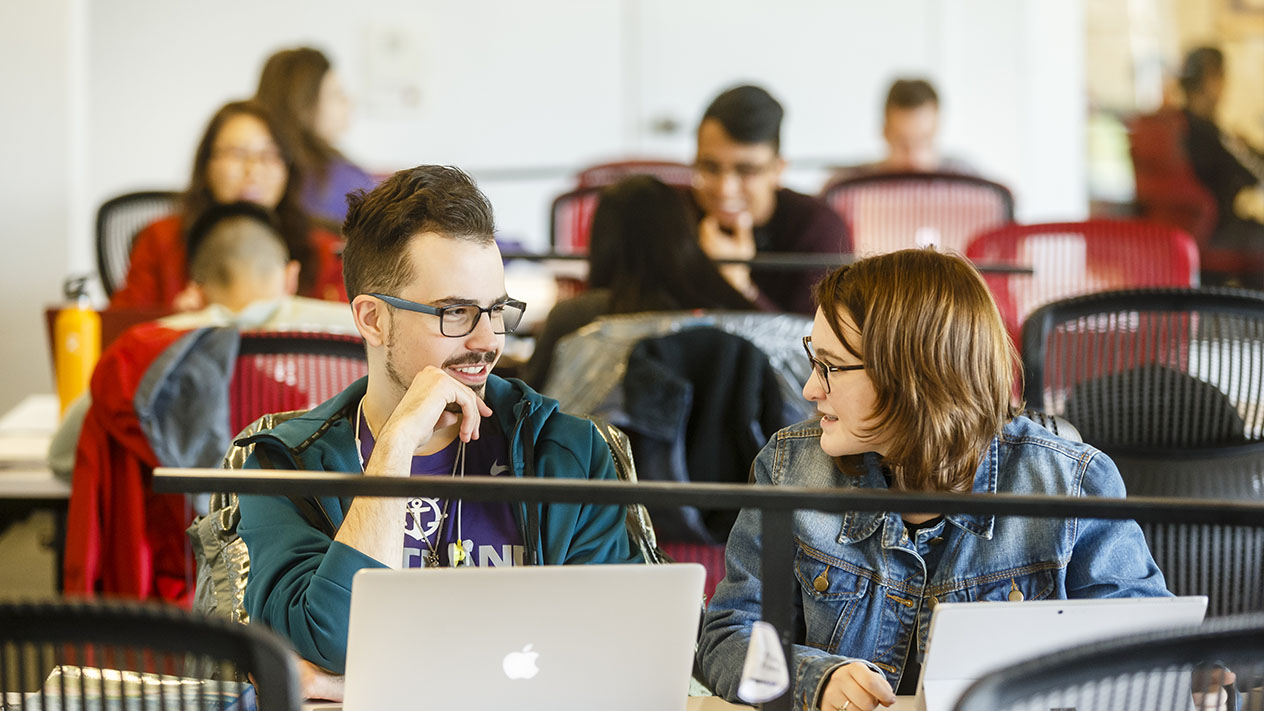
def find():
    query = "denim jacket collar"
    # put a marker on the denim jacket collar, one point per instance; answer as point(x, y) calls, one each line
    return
point(859, 525)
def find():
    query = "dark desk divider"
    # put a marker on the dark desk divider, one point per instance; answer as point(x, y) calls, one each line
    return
point(778, 504)
point(774, 261)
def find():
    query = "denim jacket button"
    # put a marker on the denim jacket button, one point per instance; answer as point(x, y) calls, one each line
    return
point(936, 540)
point(1015, 596)
point(821, 583)
point(933, 602)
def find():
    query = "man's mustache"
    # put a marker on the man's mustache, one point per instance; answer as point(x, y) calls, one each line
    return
point(483, 358)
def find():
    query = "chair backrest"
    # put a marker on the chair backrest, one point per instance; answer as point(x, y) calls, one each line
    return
point(1158, 368)
point(1225, 563)
point(283, 371)
point(670, 172)
point(886, 212)
point(570, 229)
point(1151, 672)
point(1073, 258)
point(1167, 189)
point(63, 654)
point(118, 221)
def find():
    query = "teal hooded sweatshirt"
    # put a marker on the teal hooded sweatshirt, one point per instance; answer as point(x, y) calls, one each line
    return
point(300, 578)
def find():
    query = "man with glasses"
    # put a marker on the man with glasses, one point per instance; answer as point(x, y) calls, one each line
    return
point(427, 291)
point(737, 190)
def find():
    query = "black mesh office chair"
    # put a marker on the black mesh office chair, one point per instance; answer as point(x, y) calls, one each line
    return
point(1151, 672)
point(1163, 368)
point(115, 655)
point(118, 221)
point(1170, 383)
point(1225, 563)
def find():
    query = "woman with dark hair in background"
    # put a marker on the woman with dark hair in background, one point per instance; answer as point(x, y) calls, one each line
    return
point(242, 157)
point(305, 94)
point(644, 256)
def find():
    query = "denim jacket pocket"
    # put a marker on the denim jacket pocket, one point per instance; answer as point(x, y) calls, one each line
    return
point(1013, 585)
point(830, 591)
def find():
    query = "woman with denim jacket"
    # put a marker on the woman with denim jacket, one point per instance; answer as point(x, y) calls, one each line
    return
point(912, 379)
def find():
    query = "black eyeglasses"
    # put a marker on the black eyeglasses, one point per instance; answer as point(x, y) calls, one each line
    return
point(824, 369)
point(459, 320)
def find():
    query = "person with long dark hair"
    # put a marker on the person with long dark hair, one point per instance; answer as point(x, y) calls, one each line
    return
point(302, 90)
point(644, 256)
point(242, 157)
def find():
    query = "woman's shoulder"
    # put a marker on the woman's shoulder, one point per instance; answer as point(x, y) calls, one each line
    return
point(793, 457)
point(163, 231)
point(1034, 460)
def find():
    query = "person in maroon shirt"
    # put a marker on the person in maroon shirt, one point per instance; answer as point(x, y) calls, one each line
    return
point(745, 210)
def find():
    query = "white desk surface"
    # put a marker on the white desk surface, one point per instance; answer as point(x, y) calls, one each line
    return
point(25, 432)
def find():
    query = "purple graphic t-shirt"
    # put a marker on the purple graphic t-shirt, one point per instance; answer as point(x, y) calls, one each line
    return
point(488, 533)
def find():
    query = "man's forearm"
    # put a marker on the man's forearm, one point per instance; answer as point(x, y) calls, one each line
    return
point(374, 526)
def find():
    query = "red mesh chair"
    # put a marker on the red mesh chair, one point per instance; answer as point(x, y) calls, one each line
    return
point(893, 211)
point(1167, 189)
point(1073, 258)
point(282, 371)
point(708, 555)
point(571, 226)
point(669, 172)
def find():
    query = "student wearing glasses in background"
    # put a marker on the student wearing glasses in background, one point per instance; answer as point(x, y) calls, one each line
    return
point(243, 157)
point(427, 289)
point(912, 374)
point(745, 210)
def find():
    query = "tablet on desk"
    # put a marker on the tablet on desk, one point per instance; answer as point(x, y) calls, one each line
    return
point(970, 639)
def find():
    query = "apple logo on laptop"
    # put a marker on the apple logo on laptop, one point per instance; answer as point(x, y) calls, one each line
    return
point(521, 665)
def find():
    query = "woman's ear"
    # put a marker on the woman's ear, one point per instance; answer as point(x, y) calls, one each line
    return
point(371, 319)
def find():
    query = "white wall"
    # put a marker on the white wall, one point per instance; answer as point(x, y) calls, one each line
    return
point(35, 204)
point(507, 86)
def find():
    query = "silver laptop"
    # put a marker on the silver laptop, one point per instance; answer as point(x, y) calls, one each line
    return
point(615, 637)
point(969, 639)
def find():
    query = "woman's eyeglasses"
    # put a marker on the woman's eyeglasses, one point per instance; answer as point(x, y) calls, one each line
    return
point(822, 368)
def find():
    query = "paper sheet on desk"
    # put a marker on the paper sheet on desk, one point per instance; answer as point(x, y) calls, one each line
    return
point(37, 414)
point(21, 451)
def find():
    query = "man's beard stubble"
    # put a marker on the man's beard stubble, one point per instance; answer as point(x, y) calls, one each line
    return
point(398, 380)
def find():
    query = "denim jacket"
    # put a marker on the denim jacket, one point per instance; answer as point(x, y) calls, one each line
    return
point(862, 582)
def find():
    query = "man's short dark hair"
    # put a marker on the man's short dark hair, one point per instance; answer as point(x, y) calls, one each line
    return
point(380, 223)
point(1200, 64)
point(906, 94)
point(748, 114)
point(217, 252)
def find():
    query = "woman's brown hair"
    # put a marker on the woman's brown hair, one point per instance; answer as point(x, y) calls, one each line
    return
point(289, 86)
point(936, 350)
point(292, 220)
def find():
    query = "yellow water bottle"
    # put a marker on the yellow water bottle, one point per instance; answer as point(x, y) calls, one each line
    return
point(77, 339)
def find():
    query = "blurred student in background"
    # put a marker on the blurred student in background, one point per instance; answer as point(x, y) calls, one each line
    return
point(1231, 170)
point(302, 90)
point(737, 190)
point(158, 398)
point(644, 256)
point(910, 128)
point(242, 157)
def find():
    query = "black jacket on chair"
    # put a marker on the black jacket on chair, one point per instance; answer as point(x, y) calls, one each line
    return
point(700, 404)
